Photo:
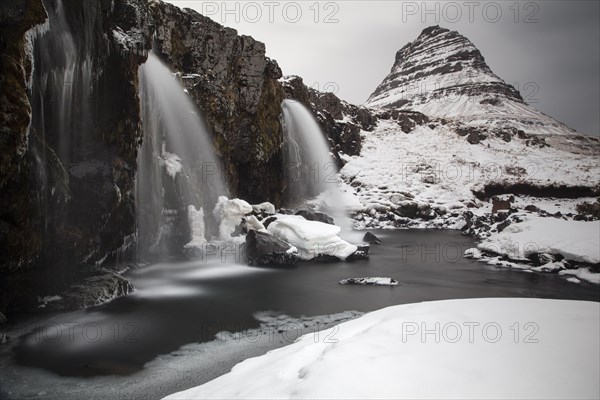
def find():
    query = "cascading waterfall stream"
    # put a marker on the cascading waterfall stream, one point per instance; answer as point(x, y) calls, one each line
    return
point(178, 171)
point(310, 168)
point(62, 89)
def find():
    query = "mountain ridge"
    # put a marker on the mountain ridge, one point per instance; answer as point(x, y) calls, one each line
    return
point(443, 74)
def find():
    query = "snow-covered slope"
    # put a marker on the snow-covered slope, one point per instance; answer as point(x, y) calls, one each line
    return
point(450, 133)
point(442, 74)
point(469, 349)
point(437, 167)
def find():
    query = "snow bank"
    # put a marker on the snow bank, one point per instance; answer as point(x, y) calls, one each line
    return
point(311, 238)
point(581, 273)
point(253, 223)
point(229, 214)
point(575, 240)
point(484, 348)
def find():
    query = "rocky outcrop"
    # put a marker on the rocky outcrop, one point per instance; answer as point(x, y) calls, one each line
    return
point(16, 19)
point(236, 87)
point(100, 286)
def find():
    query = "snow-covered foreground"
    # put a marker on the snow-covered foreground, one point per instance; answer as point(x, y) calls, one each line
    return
point(476, 348)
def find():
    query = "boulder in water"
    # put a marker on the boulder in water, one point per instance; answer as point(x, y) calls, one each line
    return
point(285, 211)
point(311, 238)
point(265, 249)
point(378, 281)
point(361, 253)
point(315, 216)
point(267, 221)
point(371, 239)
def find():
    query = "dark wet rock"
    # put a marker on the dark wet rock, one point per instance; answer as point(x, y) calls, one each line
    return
point(326, 259)
point(531, 208)
point(3, 337)
point(499, 217)
point(402, 222)
point(315, 216)
point(538, 259)
point(475, 138)
point(265, 249)
point(427, 214)
point(268, 221)
point(285, 211)
point(501, 226)
point(102, 286)
point(361, 253)
point(408, 209)
point(587, 209)
point(371, 239)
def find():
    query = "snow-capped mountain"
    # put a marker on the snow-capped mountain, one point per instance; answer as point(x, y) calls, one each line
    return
point(442, 74)
point(450, 134)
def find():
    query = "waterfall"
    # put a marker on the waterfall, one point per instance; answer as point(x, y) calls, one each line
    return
point(179, 176)
point(62, 89)
point(309, 167)
point(63, 84)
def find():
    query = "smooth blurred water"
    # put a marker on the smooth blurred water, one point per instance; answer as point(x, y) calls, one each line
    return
point(177, 166)
point(310, 170)
point(188, 302)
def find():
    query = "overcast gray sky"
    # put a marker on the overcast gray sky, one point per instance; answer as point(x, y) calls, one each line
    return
point(550, 50)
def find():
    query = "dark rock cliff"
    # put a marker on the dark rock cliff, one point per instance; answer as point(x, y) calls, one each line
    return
point(71, 127)
point(70, 133)
point(235, 86)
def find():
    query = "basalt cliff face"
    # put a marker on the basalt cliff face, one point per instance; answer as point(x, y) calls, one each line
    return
point(237, 90)
point(70, 132)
